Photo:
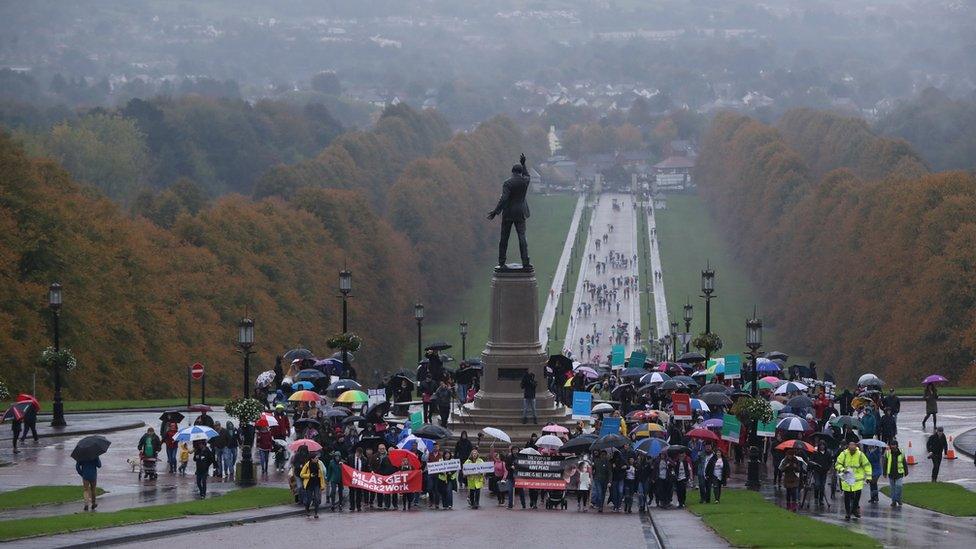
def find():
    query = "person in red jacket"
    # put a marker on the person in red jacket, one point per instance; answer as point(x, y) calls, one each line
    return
point(265, 444)
point(283, 429)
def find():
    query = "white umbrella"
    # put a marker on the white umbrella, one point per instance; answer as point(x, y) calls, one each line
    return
point(792, 424)
point(266, 420)
point(265, 378)
point(530, 452)
point(497, 433)
point(654, 377)
point(603, 408)
point(869, 380)
point(549, 441)
point(194, 433)
point(790, 387)
point(873, 442)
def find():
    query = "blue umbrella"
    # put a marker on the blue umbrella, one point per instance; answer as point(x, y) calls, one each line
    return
point(651, 446)
point(764, 365)
point(302, 386)
point(194, 433)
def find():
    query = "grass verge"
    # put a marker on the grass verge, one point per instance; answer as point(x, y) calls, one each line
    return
point(941, 497)
point(688, 238)
point(943, 391)
point(237, 500)
point(547, 230)
point(33, 496)
point(745, 519)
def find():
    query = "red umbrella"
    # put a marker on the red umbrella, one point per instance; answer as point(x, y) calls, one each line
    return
point(397, 456)
point(796, 445)
point(16, 412)
point(703, 434)
point(24, 397)
point(309, 443)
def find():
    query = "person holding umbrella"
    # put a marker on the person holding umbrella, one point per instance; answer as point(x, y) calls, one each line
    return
point(793, 468)
point(87, 464)
point(852, 467)
point(203, 458)
point(931, 405)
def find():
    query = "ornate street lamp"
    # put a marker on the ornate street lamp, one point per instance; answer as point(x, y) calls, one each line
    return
point(418, 315)
point(464, 337)
point(245, 340)
point(674, 340)
point(345, 286)
point(754, 342)
point(687, 316)
point(707, 288)
point(54, 302)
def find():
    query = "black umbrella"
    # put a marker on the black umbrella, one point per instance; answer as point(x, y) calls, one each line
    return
point(715, 399)
point(776, 355)
point(675, 448)
point(297, 354)
point(377, 411)
point(353, 419)
point(613, 440)
point(561, 361)
point(578, 445)
point(90, 447)
point(691, 358)
point(800, 402)
point(714, 388)
point(172, 416)
point(341, 386)
point(645, 390)
point(17, 411)
point(672, 385)
point(307, 422)
point(338, 356)
point(620, 389)
point(335, 412)
point(433, 432)
point(310, 374)
point(467, 375)
point(370, 442)
point(438, 346)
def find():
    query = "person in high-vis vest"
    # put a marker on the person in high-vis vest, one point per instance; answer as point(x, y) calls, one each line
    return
point(852, 468)
point(895, 467)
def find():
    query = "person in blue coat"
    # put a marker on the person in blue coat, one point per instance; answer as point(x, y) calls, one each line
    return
point(88, 471)
point(875, 455)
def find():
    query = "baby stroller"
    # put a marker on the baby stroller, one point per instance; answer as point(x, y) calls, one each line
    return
point(280, 454)
point(556, 499)
point(147, 468)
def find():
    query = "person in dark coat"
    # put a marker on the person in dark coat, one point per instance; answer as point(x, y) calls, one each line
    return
point(30, 424)
point(845, 402)
point(88, 471)
point(937, 447)
point(150, 444)
point(203, 458)
point(514, 210)
point(887, 428)
point(15, 427)
point(931, 405)
point(528, 385)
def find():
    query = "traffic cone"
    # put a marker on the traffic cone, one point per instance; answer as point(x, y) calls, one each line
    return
point(911, 455)
point(951, 453)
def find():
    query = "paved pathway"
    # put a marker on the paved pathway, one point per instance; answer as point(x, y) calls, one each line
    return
point(549, 313)
point(623, 240)
point(661, 325)
point(682, 528)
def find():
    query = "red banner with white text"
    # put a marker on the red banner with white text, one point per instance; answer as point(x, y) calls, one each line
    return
point(400, 482)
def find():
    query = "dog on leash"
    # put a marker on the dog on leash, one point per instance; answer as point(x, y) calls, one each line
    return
point(134, 463)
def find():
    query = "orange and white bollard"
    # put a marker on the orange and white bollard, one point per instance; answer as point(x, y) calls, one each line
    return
point(950, 452)
point(910, 459)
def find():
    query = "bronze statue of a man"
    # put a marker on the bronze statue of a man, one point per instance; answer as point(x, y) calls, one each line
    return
point(515, 210)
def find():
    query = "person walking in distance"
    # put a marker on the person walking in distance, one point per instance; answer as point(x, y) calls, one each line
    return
point(931, 405)
point(88, 471)
point(937, 447)
point(853, 468)
point(528, 397)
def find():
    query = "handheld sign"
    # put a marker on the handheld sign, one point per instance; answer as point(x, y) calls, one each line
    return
point(610, 426)
point(733, 367)
point(731, 428)
point(681, 405)
point(582, 405)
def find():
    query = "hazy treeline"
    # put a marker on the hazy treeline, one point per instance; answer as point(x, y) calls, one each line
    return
point(862, 255)
point(143, 298)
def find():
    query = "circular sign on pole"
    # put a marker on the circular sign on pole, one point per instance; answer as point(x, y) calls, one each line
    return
point(196, 371)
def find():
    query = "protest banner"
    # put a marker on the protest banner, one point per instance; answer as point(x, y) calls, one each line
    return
point(477, 468)
point(680, 406)
point(637, 359)
point(733, 366)
point(401, 482)
point(376, 396)
point(541, 472)
point(582, 405)
point(609, 426)
point(617, 356)
point(731, 428)
point(766, 428)
point(443, 466)
point(416, 420)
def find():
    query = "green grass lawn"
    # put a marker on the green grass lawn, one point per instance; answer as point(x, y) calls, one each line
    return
point(646, 321)
point(688, 237)
point(236, 500)
point(561, 322)
point(33, 496)
point(745, 519)
point(547, 230)
point(943, 391)
point(94, 405)
point(942, 497)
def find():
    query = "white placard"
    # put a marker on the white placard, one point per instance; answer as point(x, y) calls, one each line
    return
point(443, 466)
point(478, 468)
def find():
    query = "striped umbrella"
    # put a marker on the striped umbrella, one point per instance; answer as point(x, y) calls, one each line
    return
point(654, 377)
point(304, 396)
point(194, 433)
point(791, 387)
point(796, 424)
point(651, 446)
point(352, 397)
point(699, 404)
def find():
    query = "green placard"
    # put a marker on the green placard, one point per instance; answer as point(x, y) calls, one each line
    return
point(766, 428)
point(617, 356)
point(731, 428)
point(637, 359)
point(416, 420)
point(733, 366)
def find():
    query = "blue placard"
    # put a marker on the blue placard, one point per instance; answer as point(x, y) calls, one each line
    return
point(611, 425)
point(582, 404)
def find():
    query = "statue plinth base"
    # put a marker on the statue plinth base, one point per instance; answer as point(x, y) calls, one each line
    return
point(513, 349)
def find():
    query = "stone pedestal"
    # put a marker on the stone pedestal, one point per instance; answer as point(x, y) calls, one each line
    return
point(513, 348)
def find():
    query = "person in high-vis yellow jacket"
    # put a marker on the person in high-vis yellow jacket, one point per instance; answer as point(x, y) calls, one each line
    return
point(853, 468)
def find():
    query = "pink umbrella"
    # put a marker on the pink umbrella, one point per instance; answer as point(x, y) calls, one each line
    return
point(554, 429)
point(934, 378)
point(588, 372)
point(770, 379)
point(307, 442)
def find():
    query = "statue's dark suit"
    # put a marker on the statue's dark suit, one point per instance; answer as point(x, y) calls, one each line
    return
point(514, 211)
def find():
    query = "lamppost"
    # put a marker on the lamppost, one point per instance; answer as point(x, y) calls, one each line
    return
point(245, 340)
point(464, 337)
point(754, 342)
point(688, 315)
point(418, 314)
point(345, 286)
point(674, 340)
point(707, 287)
point(54, 302)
